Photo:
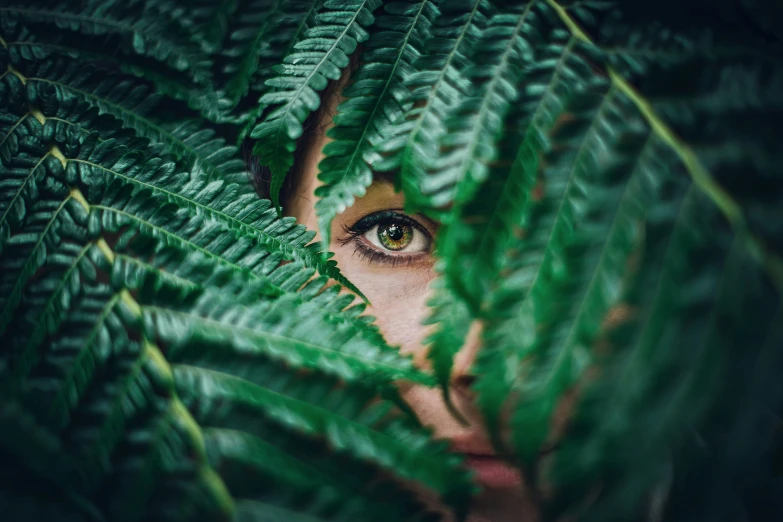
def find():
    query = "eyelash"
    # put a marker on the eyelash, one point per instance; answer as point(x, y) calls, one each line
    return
point(373, 255)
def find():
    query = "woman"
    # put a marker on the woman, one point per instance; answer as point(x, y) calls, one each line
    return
point(388, 255)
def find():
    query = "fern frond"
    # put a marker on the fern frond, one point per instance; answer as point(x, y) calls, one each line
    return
point(179, 271)
point(607, 177)
point(503, 224)
point(132, 248)
point(46, 224)
point(476, 124)
point(332, 495)
point(318, 58)
point(472, 146)
point(375, 96)
point(594, 295)
point(28, 442)
point(298, 337)
point(247, 41)
point(57, 89)
point(411, 146)
point(24, 45)
point(212, 203)
point(670, 358)
point(453, 320)
point(696, 169)
point(139, 31)
point(207, 21)
point(45, 305)
point(68, 363)
point(604, 252)
point(203, 151)
point(287, 30)
point(391, 452)
point(169, 451)
point(60, 85)
point(561, 207)
point(290, 28)
point(24, 170)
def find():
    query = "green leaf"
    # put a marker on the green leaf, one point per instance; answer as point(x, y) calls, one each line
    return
point(411, 145)
point(342, 433)
point(288, 27)
point(139, 31)
point(318, 58)
point(376, 96)
point(475, 125)
point(284, 329)
point(607, 180)
point(258, 19)
point(302, 474)
point(453, 320)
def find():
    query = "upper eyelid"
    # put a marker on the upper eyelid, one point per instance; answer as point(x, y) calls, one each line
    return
point(394, 213)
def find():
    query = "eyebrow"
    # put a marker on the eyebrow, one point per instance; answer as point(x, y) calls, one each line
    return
point(389, 177)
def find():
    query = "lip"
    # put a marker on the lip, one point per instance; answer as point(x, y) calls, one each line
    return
point(492, 471)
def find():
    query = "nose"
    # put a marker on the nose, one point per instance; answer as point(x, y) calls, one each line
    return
point(462, 377)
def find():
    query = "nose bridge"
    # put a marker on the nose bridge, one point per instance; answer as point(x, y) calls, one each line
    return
point(463, 361)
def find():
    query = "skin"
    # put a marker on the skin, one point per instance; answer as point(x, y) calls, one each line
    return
point(399, 289)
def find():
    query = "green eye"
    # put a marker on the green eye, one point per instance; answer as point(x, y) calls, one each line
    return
point(395, 236)
point(390, 234)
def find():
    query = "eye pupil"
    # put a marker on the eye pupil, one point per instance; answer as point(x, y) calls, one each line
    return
point(395, 236)
point(395, 233)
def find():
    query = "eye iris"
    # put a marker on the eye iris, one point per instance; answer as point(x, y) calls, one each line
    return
point(395, 236)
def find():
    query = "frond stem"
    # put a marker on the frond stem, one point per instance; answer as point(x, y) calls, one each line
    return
point(153, 355)
point(495, 217)
point(434, 91)
point(276, 289)
point(698, 172)
point(267, 335)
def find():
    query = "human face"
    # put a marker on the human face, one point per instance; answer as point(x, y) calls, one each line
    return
point(388, 255)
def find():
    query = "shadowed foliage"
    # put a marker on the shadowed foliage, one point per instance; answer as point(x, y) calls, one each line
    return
point(607, 180)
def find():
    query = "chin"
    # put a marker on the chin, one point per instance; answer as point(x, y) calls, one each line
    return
point(504, 503)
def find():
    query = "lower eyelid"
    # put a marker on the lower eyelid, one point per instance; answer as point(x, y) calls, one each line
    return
point(373, 255)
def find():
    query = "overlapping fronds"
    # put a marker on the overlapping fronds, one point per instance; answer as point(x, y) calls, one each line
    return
point(374, 100)
point(438, 83)
point(470, 141)
point(290, 27)
point(499, 61)
point(169, 349)
point(452, 321)
point(246, 43)
point(581, 183)
point(607, 180)
point(612, 319)
point(206, 21)
point(132, 28)
point(318, 58)
point(285, 28)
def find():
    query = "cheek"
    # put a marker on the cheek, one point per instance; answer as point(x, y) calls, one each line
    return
point(400, 321)
point(399, 302)
point(398, 298)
